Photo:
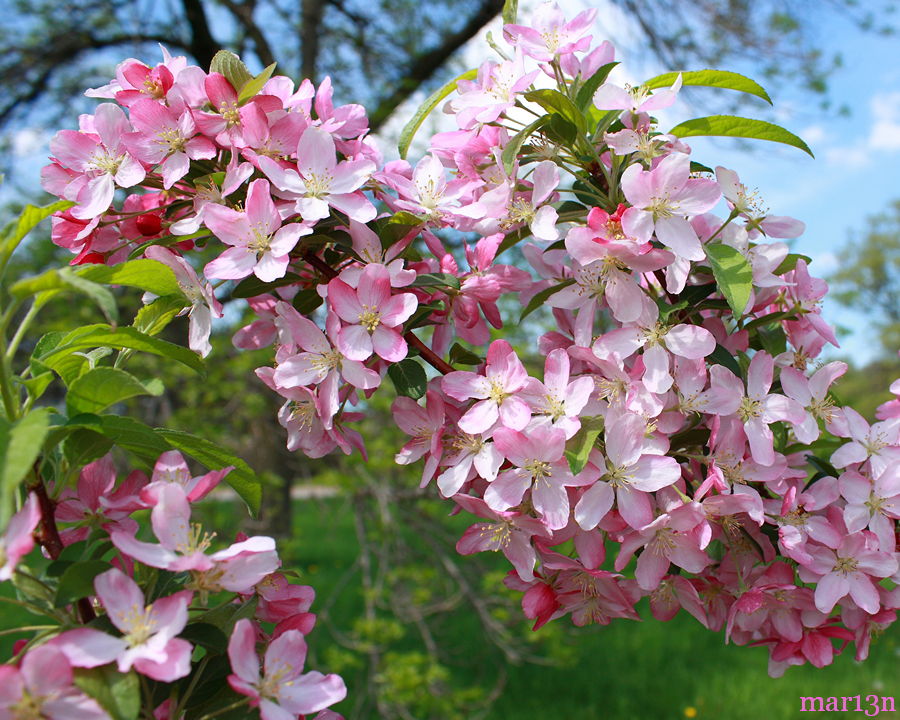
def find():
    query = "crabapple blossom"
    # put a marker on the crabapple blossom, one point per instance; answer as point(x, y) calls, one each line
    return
point(17, 540)
point(281, 689)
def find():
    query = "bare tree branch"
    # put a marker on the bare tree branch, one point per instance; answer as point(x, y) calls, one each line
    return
point(424, 65)
point(243, 13)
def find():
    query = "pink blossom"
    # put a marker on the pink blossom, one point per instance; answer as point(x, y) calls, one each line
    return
point(171, 467)
point(149, 641)
point(496, 391)
point(873, 503)
point(635, 100)
point(320, 181)
point(666, 196)
point(42, 688)
point(281, 690)
point(627, 475)
point(878, 444)
point(372, 315)
point(658, 339)
point(558, 398)
point(17, 540)
point(167, 139)
point(537, 455)
point(549, 36)
point(812, 394)
point(204, 306)
point(509, 532)
point(849, 570)
point(100, 159)
point(260, 243)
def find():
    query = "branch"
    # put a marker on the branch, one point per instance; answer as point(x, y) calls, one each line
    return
point(310, 22)
point(424, 65)
point(203, 45)
point(243, 13)
point(47, 535)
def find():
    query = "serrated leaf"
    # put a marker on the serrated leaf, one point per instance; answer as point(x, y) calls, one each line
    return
point(585, 96)
point(712, 78)
point(242, 478)
point(20, 445)
point(205, 635)
point(459, 355)
point(14, 232)
point(721, 356)
point(555, 102)
point(579, 446)
point(541, 297)
point(77, 581)
point(92, 336)
point(252, 286)
point(439, 280)
point(83, 446)
point(126, 432)
point(410, 129)
point(251, 88)
point(790, 262)
point(117, 693)
point(101, 387)
point(232, 67)
point(96, 292)
point(153, 318)
point(739, 127)
point(144, 274)
point(733, 274)
point(409, 378)
point(226, 616)
point(511, 151)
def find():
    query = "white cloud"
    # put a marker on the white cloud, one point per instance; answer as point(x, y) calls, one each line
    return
point(27, 142)
point(885, 133)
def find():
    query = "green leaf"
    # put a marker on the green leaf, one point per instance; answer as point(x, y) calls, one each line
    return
point(101, 387)
point(579, 446)
point(251, 88)
point(252, 286)
point(126, 432)
point(439, 280)
point(585, 97)
point(242, 478)
point(721, 356)
point(96, 292)
point(232, 67)
point(153, 318)
point(92, 336)
point(307, 300)
point(739, 127)
point(510, 11)
point(77, 581)
point(83, 446)
point(28, 219)
point(511, 151)
point(733, 275)
point(461, 356)
point(145, 274)
point(410, 129)
point(790, 262)
point(541, 297)
point(20, 446)
point(117, 693)
point(409, 378)
point(225, 616)
point(36, 386)
point(712, 78)
point(205, 635)
point(555, 102)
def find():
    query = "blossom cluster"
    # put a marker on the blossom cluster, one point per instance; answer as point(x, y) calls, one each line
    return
point(152, 594)
point(683, 424)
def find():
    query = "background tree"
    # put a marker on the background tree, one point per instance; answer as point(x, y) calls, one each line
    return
point(377, 52)
point(868, 281)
